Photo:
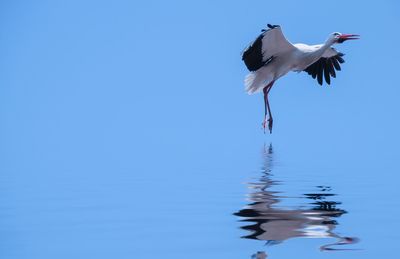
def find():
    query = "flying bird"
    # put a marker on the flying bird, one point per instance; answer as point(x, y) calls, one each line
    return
point(271, 56)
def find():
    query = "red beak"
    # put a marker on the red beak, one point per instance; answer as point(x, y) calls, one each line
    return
point(345, 37)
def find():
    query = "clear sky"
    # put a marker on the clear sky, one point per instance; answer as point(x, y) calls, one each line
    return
point(94, 87)
point(169, 69)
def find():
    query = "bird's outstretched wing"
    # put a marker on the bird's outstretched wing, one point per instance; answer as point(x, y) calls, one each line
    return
point(268, 44)
point(326, 66)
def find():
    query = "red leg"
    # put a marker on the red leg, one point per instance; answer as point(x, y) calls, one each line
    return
point(270, 120)
point(267, 108)
point(265, 90)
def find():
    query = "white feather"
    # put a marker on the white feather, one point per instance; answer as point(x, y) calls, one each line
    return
point(256, 81)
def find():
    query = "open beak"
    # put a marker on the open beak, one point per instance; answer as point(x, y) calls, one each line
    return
point(345, 37)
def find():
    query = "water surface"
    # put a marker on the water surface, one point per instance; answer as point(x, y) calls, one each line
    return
point(309, 215)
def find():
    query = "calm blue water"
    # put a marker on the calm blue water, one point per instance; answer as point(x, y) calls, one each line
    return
point(226, 199)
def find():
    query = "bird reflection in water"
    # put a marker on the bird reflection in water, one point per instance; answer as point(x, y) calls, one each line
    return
point(268, 222)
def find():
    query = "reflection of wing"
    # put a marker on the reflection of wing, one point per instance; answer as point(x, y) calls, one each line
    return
point(265, 47)
point(326, 66)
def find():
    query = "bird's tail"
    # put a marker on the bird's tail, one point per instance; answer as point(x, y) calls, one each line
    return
point(255, 82)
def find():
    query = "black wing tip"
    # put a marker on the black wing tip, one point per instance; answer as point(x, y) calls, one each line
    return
point(324, 68)
point(339, 57)
point(273, 26)
point(270, 27)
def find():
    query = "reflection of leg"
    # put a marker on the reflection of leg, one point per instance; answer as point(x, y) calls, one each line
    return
point(341, 241)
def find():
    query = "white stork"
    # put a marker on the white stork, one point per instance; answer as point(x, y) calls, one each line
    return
point(272, 56)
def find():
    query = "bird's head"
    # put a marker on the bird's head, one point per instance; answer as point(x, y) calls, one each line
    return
point(337, 37)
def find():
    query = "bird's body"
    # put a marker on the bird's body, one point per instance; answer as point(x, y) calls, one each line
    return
point(296, 59)
point(272, 56)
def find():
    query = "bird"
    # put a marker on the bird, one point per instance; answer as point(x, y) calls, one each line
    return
point(271, 56)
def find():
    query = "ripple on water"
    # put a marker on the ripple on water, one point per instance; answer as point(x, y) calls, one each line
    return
point(274, 217)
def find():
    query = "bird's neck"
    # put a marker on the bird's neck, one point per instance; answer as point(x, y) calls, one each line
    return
point(323, 48)
point(317, 54)
point(328, 43)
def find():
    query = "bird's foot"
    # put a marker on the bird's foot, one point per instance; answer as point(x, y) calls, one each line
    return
point(270, 123)
point(264, 124)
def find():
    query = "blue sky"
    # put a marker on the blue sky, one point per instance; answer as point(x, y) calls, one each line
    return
point(93, 87)
point(85, 73)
